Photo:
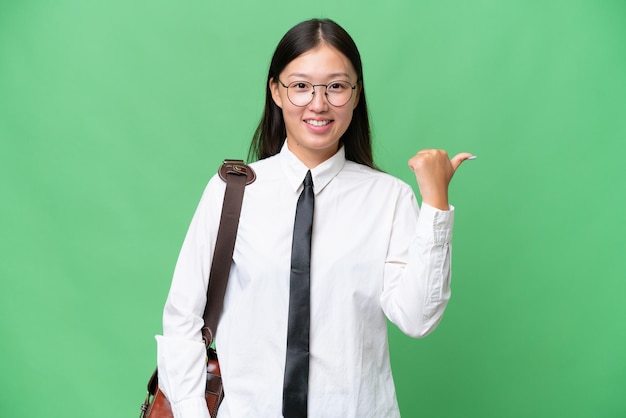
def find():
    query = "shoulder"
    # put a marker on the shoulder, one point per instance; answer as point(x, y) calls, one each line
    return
point(266, 168)
point(359, 173)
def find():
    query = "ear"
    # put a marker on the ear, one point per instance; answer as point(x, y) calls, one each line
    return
point(358, 95)
point(275, 90)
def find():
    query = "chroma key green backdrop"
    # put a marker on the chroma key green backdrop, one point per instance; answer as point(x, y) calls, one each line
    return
point(114, 114)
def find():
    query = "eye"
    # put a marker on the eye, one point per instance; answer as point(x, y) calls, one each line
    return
point(338, 86)
point(300, 86)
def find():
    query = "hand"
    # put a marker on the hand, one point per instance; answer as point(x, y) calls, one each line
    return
point(434, 170)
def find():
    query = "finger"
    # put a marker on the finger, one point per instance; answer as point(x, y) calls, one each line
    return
point(459, 158)
point(425, 155)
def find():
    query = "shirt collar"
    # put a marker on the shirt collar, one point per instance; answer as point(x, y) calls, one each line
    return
point(322, 174)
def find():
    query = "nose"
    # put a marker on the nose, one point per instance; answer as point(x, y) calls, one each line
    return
point(319, 102)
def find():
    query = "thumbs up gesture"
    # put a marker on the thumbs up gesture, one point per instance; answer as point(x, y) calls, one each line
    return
point(434, 170)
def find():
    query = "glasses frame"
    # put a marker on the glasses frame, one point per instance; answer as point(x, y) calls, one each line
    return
point(353, 87)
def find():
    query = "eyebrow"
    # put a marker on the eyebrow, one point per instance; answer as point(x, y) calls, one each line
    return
point(303, 75)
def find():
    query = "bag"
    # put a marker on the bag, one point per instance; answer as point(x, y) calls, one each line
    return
point(237, 176)
point(157, 405)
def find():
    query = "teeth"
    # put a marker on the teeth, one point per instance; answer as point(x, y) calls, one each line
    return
point(318, 122)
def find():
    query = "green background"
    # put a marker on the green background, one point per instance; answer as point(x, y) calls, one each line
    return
point(113, 116)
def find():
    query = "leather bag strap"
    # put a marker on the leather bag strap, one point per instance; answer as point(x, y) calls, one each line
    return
point(237, 175)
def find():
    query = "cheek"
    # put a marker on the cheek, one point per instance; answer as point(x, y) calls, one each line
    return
point(287, 112)
point(292, 117)
point(346, 116)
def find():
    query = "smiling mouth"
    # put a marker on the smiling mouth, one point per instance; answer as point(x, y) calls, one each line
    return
point(317, 122)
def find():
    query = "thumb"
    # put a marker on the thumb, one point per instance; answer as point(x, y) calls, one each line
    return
point(459, 158)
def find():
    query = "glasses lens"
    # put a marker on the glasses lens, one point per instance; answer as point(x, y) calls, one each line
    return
point(339, 93)
point(301, 93)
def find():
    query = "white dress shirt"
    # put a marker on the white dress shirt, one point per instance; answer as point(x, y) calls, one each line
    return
point(372, 258)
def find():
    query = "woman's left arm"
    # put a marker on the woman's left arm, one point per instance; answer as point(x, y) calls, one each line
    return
point(417, 269)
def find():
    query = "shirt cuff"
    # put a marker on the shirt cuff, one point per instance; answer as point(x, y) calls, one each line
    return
point(435, 224)
point(182, 371)
point(191, 408)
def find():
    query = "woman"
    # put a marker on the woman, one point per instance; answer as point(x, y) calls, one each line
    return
point(371, 258)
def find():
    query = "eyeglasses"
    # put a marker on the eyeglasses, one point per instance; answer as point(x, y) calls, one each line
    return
point(301, 93)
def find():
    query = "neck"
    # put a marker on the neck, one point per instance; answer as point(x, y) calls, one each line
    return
point(311, 157)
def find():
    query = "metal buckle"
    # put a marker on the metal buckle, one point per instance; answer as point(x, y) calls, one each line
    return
point(239, 168)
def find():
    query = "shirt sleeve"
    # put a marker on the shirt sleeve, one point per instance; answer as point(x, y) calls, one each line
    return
point(417, 273)
point(181, 353)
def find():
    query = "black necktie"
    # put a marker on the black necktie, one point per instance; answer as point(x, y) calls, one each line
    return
point(296, 383)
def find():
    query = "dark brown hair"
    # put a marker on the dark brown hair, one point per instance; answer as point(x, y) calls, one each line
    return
point(270, 134)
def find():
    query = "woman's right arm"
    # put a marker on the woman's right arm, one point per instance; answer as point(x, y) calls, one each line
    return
point(181, 353)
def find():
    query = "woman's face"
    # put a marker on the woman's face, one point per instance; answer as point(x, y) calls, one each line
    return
point(314, 130)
